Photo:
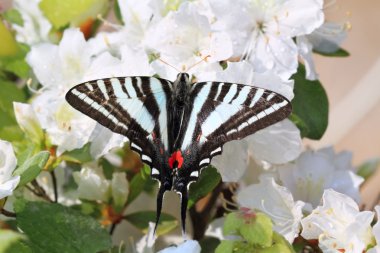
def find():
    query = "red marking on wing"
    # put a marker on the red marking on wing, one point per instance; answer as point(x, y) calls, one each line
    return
point(176, 157)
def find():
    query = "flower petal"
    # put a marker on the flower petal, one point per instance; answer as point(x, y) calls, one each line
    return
point(7, 187)
point(276, 144)
point(233, 163)
point(277, 202)
point(305, 49)
point(189, 246)
point(8, 161)
point(92, 185)
point(28, 121)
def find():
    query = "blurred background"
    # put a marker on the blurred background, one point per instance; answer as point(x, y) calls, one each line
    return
point(353, 88)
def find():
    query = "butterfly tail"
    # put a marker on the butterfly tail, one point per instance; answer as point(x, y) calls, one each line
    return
point(160, 197)
point(184, 200)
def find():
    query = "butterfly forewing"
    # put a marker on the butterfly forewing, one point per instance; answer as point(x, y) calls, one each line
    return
point(132, 106)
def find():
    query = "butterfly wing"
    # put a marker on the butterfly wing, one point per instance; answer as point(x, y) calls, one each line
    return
point(223, 112)
point(135, 107)
point(218, 113)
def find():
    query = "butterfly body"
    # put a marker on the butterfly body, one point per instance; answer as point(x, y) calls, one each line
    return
point(177, 127)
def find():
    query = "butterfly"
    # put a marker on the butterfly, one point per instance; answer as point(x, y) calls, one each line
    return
point(177, 127)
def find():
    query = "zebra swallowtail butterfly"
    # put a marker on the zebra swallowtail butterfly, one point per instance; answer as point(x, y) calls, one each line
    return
point(177, 127)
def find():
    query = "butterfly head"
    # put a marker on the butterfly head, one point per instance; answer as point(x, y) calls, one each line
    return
point(183, 77)
point(181, 88)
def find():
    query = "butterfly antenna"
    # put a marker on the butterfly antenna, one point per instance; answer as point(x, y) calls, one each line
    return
point(179, 71)
point(204, 59)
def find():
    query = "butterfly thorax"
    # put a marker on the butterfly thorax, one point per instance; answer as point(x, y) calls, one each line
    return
point(180, 100)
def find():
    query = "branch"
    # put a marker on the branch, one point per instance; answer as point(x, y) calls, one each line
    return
point(54, 179)
point(7, 213)
point(38, 191)
point(201, 219)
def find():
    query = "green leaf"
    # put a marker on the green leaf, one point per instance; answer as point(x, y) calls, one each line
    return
point(12, 242)
point(9, 129)
point(13, 16)
point(258, 231)
point(141, 221)
point(226, 246)
point(15, 62)
point(232, 224)
point(32, 167)
point(8, 43)
point(136, 186)
point(369, 167)
point(80, 155)
point(310, 106)
point(55, 228)
point(25, 154)
point(117, 11)
point(338, 53)
point(280, 244)
point(207, 181)
point(18, 67)
point(61, 13)
point(117, 249)
point(300, 124)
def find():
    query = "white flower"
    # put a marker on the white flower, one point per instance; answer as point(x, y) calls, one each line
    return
point(104, 140)
point(305, 49)
point(339, 225)
point(63, 65)
point(315, 171)
point(137, 17)
point(35, 26)
point(92, 185)
point(28, 121)
point(277, 202)
point(376, 232)
point(66, 127)
point(189, 246)
point(276, 144)
point(8, 163)
point(325, 39)
point(215, 229)
point(265, 29)
point(119, 188)
point(146, 243)
point(184, 37)
point(58, 68)
point(328, 37)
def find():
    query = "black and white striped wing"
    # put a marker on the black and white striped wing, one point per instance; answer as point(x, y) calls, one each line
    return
point(223, 112)
point(132, 106)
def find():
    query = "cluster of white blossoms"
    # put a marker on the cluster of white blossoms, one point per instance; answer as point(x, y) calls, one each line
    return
point(262, 42)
